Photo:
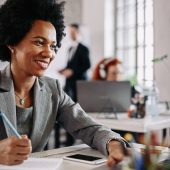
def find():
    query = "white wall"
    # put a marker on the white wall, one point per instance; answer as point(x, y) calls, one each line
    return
point(72, 11)
point(93, 19)
point(2, 1)
point(162, 46)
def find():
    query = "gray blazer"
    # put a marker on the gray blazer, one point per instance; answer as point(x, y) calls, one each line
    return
point(51, 104)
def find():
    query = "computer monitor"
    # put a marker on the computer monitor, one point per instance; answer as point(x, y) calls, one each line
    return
point(104, 96)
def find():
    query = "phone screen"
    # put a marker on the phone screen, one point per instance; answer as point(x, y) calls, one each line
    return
point(84, 157)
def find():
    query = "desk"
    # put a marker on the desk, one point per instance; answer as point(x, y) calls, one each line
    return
point(71, 165)
point(84, 149)
point(135, 125)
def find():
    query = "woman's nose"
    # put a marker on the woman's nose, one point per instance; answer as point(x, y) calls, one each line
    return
point(48, 52)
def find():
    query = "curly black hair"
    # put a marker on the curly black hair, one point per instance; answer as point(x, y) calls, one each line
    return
point(18, 16)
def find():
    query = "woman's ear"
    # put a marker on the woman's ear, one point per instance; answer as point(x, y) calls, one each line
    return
point(11, 48)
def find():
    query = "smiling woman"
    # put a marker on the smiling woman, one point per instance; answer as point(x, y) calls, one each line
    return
point(30, 32)
point(40, 43)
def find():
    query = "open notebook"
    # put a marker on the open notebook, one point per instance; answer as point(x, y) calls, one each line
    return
point(36, 164)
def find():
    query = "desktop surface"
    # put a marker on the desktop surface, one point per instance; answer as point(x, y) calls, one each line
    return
point(124, 123)
point(84, 149)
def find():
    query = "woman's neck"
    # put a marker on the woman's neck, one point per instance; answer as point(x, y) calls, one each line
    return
point(22, 83)
point(23, 86)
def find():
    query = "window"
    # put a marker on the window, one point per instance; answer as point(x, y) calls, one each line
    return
point(134, 37)
point(109, 28)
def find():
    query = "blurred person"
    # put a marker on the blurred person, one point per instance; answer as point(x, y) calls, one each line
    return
point(77, 65)
point(78, 62)
point(110, 69)
point(107, 69)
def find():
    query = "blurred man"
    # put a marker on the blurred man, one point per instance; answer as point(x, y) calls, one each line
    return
point(77, 65)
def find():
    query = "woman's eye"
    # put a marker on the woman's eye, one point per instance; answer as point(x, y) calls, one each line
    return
point(54, 47)
point(39, 43)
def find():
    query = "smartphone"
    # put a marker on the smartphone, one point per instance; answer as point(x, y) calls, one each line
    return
point(85, 159)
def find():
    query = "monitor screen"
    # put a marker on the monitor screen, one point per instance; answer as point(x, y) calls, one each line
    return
point(104, 96)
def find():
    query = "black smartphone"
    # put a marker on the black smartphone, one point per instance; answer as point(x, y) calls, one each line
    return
point(85, 158)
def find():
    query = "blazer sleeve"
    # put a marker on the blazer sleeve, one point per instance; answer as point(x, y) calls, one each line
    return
point(81, 126)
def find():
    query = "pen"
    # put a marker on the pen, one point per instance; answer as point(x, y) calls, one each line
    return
point(8, 123)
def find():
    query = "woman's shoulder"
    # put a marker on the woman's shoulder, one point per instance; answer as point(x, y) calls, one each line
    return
point(48, 81)
point(51, 85)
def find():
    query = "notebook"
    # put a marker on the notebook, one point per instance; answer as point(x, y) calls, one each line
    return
point(35, 164)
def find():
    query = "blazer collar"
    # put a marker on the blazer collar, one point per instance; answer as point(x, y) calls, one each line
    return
point(42, 105)
point(7, 98)
point(6, 82)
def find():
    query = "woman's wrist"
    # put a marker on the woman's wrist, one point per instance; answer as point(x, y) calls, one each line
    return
point(116, 142)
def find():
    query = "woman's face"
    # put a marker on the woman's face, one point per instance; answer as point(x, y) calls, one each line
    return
point(113, 73)
point(33, 54)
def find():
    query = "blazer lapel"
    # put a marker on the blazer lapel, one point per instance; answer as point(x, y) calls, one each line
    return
point(42, 98)
point(7, 100)
point(40, 112)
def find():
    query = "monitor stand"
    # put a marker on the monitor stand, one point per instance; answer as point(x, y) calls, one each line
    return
point(108, 110)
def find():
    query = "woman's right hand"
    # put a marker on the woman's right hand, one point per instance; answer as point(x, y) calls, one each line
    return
point(14, 151)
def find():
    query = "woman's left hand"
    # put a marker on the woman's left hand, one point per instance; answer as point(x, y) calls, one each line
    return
point(116, 151)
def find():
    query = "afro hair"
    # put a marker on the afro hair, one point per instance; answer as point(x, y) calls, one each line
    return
point(18, 16)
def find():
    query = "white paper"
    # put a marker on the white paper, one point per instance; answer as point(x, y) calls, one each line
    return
point(36, 164)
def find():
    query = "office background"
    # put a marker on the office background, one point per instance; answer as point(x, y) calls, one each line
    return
point(100, 20)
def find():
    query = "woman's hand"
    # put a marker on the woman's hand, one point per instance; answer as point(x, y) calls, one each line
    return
point(14, 151)
point(116, 151)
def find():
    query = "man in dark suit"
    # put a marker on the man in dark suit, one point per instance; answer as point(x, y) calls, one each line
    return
point(77, 66)
point(78, 63)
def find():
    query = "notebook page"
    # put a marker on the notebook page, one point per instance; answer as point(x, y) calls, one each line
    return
point(36, 164)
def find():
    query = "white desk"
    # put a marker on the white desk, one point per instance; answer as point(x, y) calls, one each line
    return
point(71, 165)
point(131, 124)
point(84, 149)
point(135, 125)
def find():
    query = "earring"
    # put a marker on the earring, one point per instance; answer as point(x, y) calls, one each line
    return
point(11, 49)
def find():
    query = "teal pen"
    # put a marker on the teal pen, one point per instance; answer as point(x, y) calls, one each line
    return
point(8, 123)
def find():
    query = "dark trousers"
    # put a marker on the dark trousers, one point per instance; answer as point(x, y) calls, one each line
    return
point(69, 139)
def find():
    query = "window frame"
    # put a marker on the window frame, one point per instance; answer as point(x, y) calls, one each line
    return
point(143, 71)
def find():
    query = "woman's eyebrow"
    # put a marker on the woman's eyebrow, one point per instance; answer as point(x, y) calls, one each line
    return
point(40, 37)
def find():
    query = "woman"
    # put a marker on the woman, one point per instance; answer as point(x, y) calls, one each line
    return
point(107, 69)
point(30, 33)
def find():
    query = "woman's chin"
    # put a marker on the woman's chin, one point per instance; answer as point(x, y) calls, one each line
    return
point(39, 74)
